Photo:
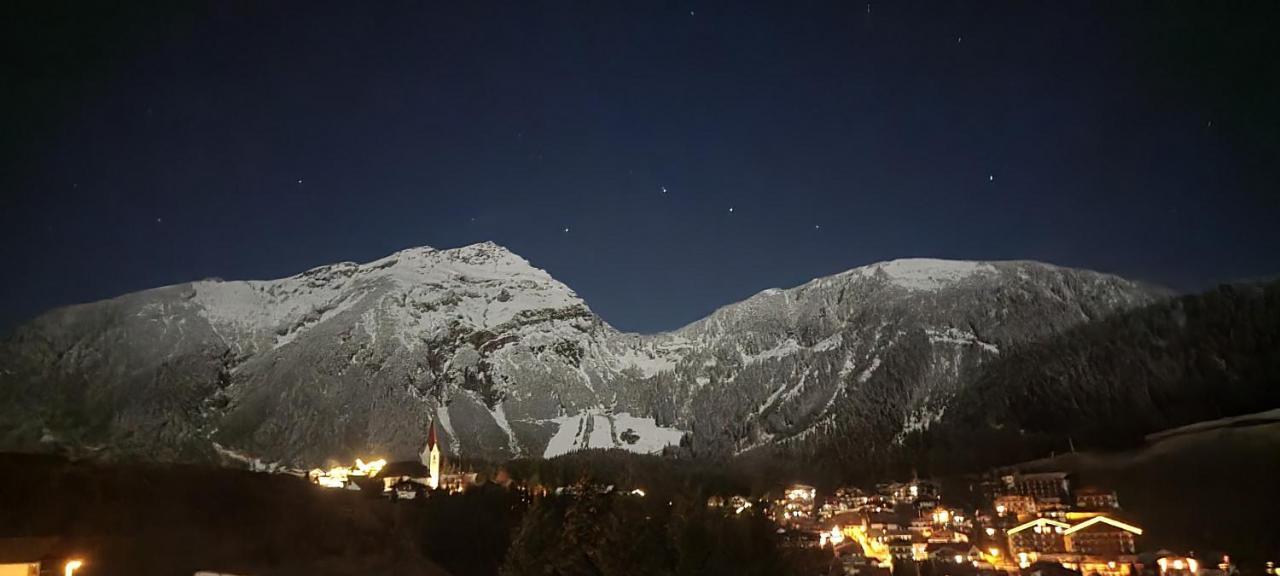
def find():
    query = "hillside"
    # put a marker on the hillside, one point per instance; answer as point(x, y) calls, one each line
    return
point(1109, 383)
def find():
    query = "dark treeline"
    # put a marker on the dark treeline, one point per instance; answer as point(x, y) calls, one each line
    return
point(602, 534)
point(137, 519)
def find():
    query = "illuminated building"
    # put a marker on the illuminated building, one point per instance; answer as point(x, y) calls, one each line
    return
point(1178, 566)
point(1099, 565)
point(796, 506)
point(1046, 568)
point(29, 556)
point(948, 553)
point(347, 476)
point(431, 457)
point(1043, 486)
point(1038, 536)
point(910, 492)
point(1097, 499)
point(1103, 536)
point(407, 480)
point(843, 500)
point(1015, 505)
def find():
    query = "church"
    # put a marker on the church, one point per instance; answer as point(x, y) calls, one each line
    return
point(410, 479)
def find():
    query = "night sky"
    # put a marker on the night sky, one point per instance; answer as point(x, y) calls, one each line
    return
point(660, 158)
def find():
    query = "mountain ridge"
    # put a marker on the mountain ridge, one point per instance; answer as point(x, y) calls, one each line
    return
point(347, 358)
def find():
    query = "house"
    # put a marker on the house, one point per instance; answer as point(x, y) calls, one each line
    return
point(842, 500)
point(1097, 499)
point(797, 506)
point(1099, 565)
point(1185, 566)
point(901, 545)
point(1038, 536)
point(1046, 568)
point(854, 563)
point(32, 556)
point(1101, 536)
point(939, 552)
point(1043, 486)
point(396, 475)
point(909, 492)
point(883, 521)
point(1015, 505)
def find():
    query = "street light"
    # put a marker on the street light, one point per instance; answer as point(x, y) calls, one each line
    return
point(72, 566)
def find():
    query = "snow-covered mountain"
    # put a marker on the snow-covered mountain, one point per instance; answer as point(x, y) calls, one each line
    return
point(356, 359)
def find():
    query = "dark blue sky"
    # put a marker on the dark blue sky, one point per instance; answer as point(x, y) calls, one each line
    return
point(154, 144)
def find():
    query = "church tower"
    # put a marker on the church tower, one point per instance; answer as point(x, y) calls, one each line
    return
point(431, 457)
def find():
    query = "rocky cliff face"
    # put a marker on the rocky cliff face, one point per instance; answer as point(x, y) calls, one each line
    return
point(355, 359)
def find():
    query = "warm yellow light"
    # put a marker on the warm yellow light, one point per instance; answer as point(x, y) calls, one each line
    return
point(958, 558)
point(991, 531)
point(1111, 564)
point(1193, 566)
point(1177, 564)
point(995, 552)
point(72, 566)
point(369, 469)
point(1096, 519)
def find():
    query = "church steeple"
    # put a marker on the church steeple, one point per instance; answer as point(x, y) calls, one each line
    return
point(431, 456)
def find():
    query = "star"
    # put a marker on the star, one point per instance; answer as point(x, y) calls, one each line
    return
point(817, 226)
point(299, 180)
point(664, 189)
point(731, 209)
point(959, 39)
point(159, 220)
point(991, 178)
point(691, 12)
point(566, 229)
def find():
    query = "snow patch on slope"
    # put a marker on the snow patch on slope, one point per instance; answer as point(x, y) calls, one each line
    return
point(442, 415)
point(500, 418)
point(572, 433)
point(962, 337)
point(925, 274)
point(647, 365)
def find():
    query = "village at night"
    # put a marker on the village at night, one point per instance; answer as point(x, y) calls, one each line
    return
point(676, 288)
